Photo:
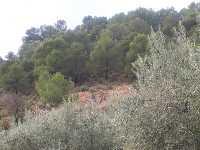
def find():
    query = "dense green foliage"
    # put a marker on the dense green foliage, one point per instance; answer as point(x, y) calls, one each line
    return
point(52, 88)
point(99, 48)
point(14, 77)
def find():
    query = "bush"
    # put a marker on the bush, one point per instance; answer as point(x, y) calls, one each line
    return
point(72, 127)
point(165, 114)
point(52, 88)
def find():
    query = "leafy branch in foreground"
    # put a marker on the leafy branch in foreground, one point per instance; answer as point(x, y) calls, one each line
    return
point(165, 114)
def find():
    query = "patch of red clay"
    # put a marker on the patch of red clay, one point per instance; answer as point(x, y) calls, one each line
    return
point(103, 95)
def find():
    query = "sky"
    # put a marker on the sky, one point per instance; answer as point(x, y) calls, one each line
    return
point(17, 16)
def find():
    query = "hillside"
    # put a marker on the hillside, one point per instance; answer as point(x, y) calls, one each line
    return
point(129, 82)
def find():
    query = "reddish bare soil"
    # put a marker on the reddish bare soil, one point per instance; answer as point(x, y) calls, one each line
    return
point(101, 94)
point(98, 94)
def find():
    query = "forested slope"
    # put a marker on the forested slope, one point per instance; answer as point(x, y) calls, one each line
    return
point(99, 49)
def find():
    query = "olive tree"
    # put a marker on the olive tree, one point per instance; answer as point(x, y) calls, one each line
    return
point(165, 113)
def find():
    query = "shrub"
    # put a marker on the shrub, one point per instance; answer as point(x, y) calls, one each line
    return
point(72, 127)
point(52, 88)
point(165, 114)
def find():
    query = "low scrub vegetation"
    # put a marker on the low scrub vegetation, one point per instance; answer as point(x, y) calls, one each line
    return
point(71, 127)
